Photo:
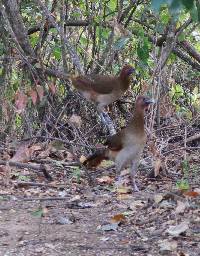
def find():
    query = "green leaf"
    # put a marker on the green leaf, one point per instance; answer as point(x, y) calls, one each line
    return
point(198, 9)
point(181, 37)
point(195, 14)
point(38, 213)
point(77, 174)
point(104, 33)
point(4, 198)
point(183, 185)
point(112, 5)
point(185, 167)
point(83, 41)
point(164, 16)
point(57, 53)
point(120, 43)
point(18, 121)
point(23, 178)
point(143, 49)
point(34, 39)
point(188, 4)
point(175, 6)
point(156, 4)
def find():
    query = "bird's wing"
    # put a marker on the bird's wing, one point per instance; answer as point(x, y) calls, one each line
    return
point(82, 83)
point(114, 142)
point(97, 83)
point(103, 84)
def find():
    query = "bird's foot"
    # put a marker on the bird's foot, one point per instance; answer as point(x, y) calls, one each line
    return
point(135, 187)
point(119, 182)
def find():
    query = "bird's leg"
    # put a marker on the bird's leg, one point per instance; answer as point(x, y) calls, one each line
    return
point(119, 164)
point(133, 173)
point(90, 180)
point(118, 181)
point(109, 123)
point(106, 120)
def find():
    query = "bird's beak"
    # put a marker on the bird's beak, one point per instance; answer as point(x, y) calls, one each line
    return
point(150, 101)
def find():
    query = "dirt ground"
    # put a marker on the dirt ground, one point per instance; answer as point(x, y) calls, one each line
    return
point(94, 220)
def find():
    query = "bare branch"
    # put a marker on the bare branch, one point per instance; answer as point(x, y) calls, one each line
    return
point(190, 50)
point(15, 20)
point(73, 54)
point(37, 168)
point(187, 59)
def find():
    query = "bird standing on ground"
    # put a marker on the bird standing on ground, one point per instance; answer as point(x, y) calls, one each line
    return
point(103, 90)
point(126, 146)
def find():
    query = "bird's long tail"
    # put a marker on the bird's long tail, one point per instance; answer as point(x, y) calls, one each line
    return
point(95, 159)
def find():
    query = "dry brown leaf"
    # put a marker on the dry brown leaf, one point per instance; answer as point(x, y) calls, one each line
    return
point(125, 172)
point(22, 154)
point(82, 159)
point(3, 170)
point(105, 179)
point(181, 206)
point(108, 227)
point(44, 154)
point(157, 167)
point(76, 120)
point(197, 190)
point(33, 95)
point(125, 241)
point(191, 193)
point(34, 148)
point(183, 254)
point(167, 108)
point(123, 190)
point(118, 28)
point(40, 91)
point(118, 218)
point(75, 198)
point(6, 110)
point(69, 156)
point(44, 211)
point(158, 198)
point(124, 196)
point(166, 245)
point(52, 88)
point(144, 87)
point(20, 101)
point(178, 229)
point(135, 205)
point(153, 148)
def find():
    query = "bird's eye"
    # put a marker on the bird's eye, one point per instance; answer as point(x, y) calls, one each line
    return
point(130, 71)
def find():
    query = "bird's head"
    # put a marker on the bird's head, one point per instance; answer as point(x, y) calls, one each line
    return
point(143, 102)
point(127, 70)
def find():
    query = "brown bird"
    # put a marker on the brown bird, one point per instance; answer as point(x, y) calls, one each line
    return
point(126, 146)
point(103, 90)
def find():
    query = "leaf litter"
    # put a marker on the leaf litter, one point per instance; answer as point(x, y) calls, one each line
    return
point(159, 219)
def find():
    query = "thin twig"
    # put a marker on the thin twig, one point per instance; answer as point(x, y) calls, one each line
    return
point(58, 139)
point(42, 198)
point(34, 184)
point(36, 168)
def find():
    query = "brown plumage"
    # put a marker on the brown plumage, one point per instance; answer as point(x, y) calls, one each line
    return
point(127, 145)
point(103, 89)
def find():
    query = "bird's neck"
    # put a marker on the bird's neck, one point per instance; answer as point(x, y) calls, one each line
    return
point(137, 123)
point(124, 81)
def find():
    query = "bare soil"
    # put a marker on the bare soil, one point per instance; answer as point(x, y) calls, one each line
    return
point(93, 220)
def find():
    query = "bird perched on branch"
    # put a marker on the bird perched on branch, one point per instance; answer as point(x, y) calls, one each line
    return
point(126, 146)
point(103, 90)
